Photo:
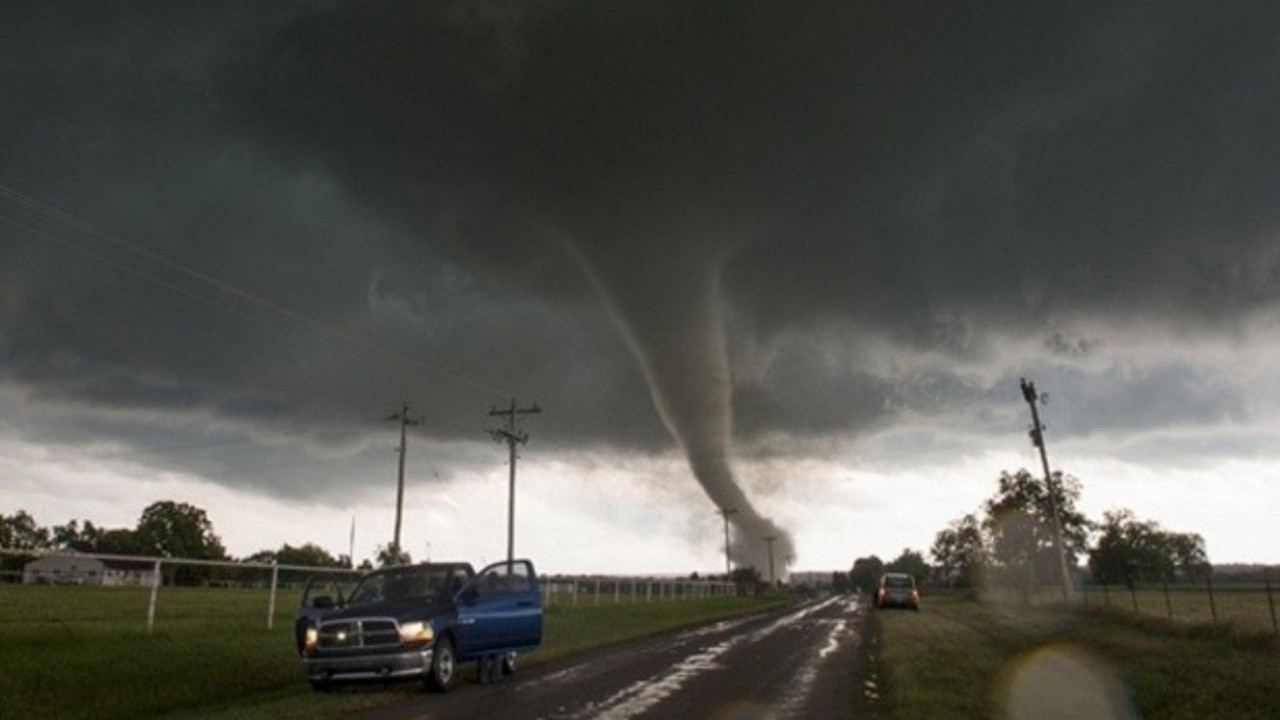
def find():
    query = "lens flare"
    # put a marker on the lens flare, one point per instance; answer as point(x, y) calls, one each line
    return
point(1061, 682)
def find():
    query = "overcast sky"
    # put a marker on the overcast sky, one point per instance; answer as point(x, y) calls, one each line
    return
point(789, 258)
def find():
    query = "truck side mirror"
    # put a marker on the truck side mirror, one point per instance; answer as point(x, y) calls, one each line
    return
point(469, 594)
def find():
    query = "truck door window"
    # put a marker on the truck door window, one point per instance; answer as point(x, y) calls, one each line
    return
point(504, 578)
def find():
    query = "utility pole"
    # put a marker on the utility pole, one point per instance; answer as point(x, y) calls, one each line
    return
point(726, 513)
point(769, 540)
point(512, 437)
point(1037, 439)
point(405, 421)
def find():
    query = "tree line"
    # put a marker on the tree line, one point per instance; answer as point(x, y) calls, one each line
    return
point(1009, 543)
point(165, 529)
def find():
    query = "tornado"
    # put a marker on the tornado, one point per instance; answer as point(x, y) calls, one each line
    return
point(666, 299)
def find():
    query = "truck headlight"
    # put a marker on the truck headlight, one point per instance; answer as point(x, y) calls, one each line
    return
point(312, 635)
point(416, 632)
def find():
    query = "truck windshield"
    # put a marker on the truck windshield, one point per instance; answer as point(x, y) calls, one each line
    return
point(408, 583)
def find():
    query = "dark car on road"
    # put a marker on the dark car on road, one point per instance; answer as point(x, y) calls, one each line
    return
point(419, 621)
point(897, 590)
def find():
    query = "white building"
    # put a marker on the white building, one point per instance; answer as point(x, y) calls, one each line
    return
point(72, 568)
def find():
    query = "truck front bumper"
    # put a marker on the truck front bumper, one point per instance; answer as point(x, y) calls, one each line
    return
point(374, 666)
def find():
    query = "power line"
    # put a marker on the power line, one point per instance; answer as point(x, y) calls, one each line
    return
point(130, 270)
point(66, 218)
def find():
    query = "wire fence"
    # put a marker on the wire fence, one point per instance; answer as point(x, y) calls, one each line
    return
point(1247, 603)
point(130, 591)
point(1249, 606)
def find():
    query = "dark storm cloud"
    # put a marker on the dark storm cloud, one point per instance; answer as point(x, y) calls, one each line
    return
point(460, 182)
point(888, 164)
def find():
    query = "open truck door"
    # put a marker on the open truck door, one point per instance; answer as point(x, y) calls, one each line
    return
point(500, 610)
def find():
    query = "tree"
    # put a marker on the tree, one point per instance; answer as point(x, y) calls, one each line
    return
point(910, 562)
point(74, 537)
point(747, 580)
point(840, 582)
point(177, 530)
point(1020, 527)
point(866, 573)
point(117, 541)
point(388, 557)
point(1130, 550)
point(959, 551)
point(307, 555)
point(21, 532)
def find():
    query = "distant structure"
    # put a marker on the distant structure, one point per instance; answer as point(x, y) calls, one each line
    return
point(816, 579)
point(72, 568)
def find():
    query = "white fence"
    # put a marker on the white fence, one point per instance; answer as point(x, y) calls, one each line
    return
point(594, 590)
point(149, 573)
point(155, 576)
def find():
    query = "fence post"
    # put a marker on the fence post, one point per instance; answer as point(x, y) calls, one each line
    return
point(1133, 594)
point(155, 590)
point(1168, 606)
point(1213, 606)
point(271, 604)
point(617, 590)
point(1106, 594)
point(648, 591)
point(575, 592)
point(1271, 603)
point(596, 599)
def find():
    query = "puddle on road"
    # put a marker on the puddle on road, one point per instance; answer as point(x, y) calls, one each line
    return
point(793, 703)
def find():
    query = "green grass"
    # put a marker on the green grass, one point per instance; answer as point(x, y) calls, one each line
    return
point(80, 652)
point(958, 658)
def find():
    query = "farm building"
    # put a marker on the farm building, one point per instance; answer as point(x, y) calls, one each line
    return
point(76, 569)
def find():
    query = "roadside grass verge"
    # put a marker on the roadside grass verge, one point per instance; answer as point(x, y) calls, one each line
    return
point(959, 658)
point(74, 652)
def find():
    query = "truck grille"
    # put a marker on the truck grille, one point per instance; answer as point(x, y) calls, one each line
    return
point(358, 633)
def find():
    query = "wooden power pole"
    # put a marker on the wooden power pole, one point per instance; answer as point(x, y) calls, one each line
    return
point(405, 421)
point(1037, 439)
point(510, 435)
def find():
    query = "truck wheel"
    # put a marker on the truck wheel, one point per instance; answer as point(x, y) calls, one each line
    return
point(444, 666)
point(509, 664)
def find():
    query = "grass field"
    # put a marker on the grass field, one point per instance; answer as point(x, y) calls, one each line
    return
point(80, 652)
point(958, 658)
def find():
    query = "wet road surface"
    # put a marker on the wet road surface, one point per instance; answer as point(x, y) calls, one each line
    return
point(807, 661)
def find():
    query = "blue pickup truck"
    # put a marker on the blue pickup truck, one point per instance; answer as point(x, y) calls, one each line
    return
point(419, 622)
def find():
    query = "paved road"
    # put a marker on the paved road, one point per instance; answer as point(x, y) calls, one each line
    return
point(803, 662)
